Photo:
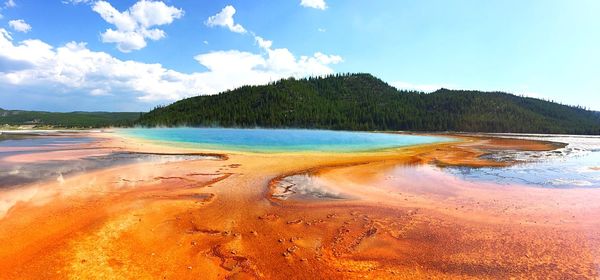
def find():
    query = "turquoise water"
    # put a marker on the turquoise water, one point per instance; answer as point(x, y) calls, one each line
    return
point(273, 140)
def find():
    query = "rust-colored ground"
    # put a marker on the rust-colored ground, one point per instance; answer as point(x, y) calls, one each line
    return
point(216, 219)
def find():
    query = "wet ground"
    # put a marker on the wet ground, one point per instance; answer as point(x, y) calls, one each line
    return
point(16, 170)
point(396, 214)
point(574, 165)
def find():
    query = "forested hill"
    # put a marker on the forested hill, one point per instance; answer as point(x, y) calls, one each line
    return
point(363, 102)
point(67, 120)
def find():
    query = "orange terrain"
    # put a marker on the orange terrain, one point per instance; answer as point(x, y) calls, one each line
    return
point(388, 214)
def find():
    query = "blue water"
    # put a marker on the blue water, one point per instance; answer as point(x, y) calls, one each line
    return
point(277, 140)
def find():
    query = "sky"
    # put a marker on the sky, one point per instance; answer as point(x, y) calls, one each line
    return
point(132, 55)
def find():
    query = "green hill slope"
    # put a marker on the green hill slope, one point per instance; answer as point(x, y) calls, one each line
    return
point(363, 102)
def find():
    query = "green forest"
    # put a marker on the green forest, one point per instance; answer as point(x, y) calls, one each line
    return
point(67, 120)
point(364, 102)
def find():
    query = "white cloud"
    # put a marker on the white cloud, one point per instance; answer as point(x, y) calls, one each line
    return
point(7, 4)
point(10, 4)
point(133, 26)
point(265, 44)
point(126, 41)
point(321, 29)
point(123, 21)
point(315, 4)
point(328, 59)
point(19, 25)
point(35, 66)
point(230, 69)
point(225, 19)
point(150, 13)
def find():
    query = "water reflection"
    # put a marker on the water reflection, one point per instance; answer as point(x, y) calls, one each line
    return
point(304, 186)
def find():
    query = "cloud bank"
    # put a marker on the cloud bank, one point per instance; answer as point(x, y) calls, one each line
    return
point(73, 69)
point(40, 73)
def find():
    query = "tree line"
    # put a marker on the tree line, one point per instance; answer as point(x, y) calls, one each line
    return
point(364, 102)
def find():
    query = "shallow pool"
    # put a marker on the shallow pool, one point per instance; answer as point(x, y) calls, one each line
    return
point(273, 140)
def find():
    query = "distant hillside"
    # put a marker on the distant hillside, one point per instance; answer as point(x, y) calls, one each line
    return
point(67, 120)
point(363, 102)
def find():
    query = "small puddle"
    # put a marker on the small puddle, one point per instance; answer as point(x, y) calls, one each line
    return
point(304, 187)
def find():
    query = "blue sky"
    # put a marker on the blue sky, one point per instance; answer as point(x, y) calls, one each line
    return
point(66, 55)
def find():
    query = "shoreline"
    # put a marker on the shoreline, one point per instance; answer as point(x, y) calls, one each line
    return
point(214, 219)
